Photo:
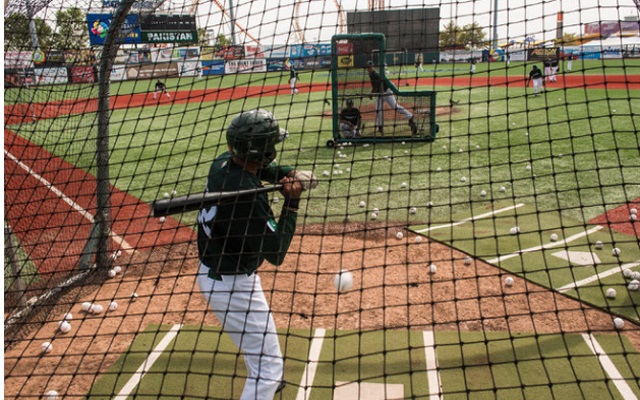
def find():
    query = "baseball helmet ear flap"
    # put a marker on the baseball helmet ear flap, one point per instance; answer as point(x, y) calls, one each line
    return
point(253, 136)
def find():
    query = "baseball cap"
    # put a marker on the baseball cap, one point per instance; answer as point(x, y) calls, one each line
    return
point(369, 63)
point(350, 102)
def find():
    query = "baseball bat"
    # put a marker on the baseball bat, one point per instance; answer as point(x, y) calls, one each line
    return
point(193, 202)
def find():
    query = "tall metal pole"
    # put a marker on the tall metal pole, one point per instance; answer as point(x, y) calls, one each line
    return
point(495, 24)
point(233, 23)
point(32, 27)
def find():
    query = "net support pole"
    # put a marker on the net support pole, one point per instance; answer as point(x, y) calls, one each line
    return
point(111, 44)
point(10, 249)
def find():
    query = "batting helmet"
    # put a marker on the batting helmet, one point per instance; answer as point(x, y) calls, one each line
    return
point(253, 136)
point(349, 102)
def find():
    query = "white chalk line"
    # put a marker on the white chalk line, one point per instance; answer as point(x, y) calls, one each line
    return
point(545, 246)
point(609, 367)
point(597, 277)
point(117, 238)
point(463, 221)
point(147, 364)
point(433, 377)
point(309, 374)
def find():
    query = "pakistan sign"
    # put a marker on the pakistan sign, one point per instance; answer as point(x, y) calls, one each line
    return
point(169, 37)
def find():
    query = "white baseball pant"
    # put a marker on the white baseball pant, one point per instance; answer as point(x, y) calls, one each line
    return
point(547, 73)
point(554, 74)
point(292, 81)
point(239, 303)
point(389, 98)
point(538, 85)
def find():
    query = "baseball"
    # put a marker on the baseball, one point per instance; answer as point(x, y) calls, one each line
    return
point(348, 170)
point(86, 306)
point(67, 317)
point(46, 347)
point(483, 193)
point(433, 268)
point(376, 210)
point(418, 239)
point(399, 235)
point(97, 309)
point(560, 155)
point(362, 204)
point(553, 237)
point(508, 281)
point(467, 260)
point(599, 245)
point(515, 230)
point(618, 323)
point(134, 296)
point(611, 293)
point(406, 152)
point(430, 204)
point(438, 169)
point(413, 210)
point(635, 275)
point(336, 166)
point(113, 306)
point(65, 327)
point(166, 195)
point(343, 281)
point(444, 147)
point(460, 150)
point(633, 285)
point(174, 192)
point(633, 217)
point(477, 147)
point(526, 133)
point(503, 189)
point(373, 216)
point(162, 219)
point(112, 273)
point(633, 211)
point(528, 167)
point(51, 395)
point(380, 189)
point(118, 269)
point(627, 273)
point(463, 179)
point(403, 143)
point(615, 252)
point(276, 200)
point(325, 173)
point(403, 185)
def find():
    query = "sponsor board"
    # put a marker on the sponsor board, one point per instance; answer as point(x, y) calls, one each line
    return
point(345, 61)
point(47, 76)
point(189, 68)
point(168, 23)
point(18, 59)
point(152, 71)
point(247, 65)
point(84, 57)
point(345, 49)
point(276, 64)
point(611, 53)
point(518, 55)
point(213, 67)
point(275, 51)
point(310, 50)
point(542, 53)
point(98, 25)
point(118, 73)
point(222, 53)
point(169, 37)
point(253, 51)
point(82, 74)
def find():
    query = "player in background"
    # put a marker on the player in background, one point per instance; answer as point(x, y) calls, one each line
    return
point(237, 236)
point(419, 58)
point(293, 77)
point(473, 66)
point(350, 121)
point(547, 68)
point(538, 82)
point(554, 70)
point(569, 62)
point(384, 94)
point(160, 88)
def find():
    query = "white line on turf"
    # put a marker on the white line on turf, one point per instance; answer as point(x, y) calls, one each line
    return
point(463, 221)
point(309, 374)
point(119, 239)
point(147, 364)
point(597, 277)
point(433, 377)
point(609, 367)
point(545, 246)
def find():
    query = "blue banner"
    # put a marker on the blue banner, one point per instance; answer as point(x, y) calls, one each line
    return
point(98, 25)
point(212, 67)
point(276, 64)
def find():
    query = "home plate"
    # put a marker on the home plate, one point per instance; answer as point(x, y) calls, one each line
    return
point(368, 391)
point(578, 257)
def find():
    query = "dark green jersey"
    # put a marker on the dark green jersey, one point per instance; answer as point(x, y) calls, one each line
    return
point(238, 235)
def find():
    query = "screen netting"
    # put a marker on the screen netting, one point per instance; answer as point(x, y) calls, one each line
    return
point(490, 252)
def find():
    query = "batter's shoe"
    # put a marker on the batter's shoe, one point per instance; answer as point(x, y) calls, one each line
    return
point(379, 130)
point(413, 126)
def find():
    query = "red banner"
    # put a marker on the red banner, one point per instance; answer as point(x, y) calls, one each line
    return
point(82, 74)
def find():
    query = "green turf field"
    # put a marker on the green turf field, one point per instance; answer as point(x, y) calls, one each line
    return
point(202, 362)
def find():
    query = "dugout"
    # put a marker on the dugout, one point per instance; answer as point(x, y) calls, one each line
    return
point(350, 54)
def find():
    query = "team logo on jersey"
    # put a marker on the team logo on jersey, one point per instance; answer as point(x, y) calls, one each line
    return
point(271, 223)
point(205, 216)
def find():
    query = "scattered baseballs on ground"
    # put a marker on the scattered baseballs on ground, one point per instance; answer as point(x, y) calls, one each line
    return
point(380, 189)
point(336, 166)
point(528, 167)
point(633, 217)
point(67, 317)
point(325, 173)
point(162, 219)
point(134, 296)
point(399, 235)
point(86, 306)
point(508, 281)
point(635, 275)
point(515, 230)
point(627, 273)
point(599, 245)
point(276, 200)
point(365, 145)
point(618, 323)
point(166, 195)
point(112, 273)
point(343, 281)
point(483, 193)
point(376, 210)
point(444, 147)
point(362, 204)
point(560, 155)
point(438, 169)
point(97, 309)
point(51, 395)
point(406, 152)
point(477, 147)
point(113, 306)
point(503, 189)
point(403, 185)
point(413, 210)
point(526, 133)
point(174, 192)
point(634, 285)
point(611, 293)
point(430, 204)
point(64, 327)
point(418, 239)
point(553, 237)
point(118, 269)
point(348, 169)
point(373, 216)
point(433, 268)
point(633, 211)
point(615, 252)
point(46, 347)
point(460, 150)
point(467, 260)
point(463, 179)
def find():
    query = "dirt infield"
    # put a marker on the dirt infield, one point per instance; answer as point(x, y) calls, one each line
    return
point(619, 219)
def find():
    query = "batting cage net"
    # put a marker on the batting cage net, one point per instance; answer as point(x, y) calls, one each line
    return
point(193, 209)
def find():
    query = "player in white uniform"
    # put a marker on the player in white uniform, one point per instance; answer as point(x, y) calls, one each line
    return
point(384, 94)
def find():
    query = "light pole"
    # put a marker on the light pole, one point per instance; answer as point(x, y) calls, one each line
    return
point(233, 23)
point(495, 24)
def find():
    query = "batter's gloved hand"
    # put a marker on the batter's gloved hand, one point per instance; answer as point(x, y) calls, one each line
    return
point(306, 178)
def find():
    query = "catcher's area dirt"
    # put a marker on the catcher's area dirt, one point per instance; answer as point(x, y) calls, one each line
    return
point(393, 289)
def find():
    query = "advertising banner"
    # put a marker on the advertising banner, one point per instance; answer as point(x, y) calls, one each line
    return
point(253, 51)
point(98, 25)
point(275, 51)
point(213, 67)
point(222, 53)
point(168, 23)
point(118, 73)
point(181, 53)
point(518, 55)
point(611, 53)
point(151, 71)
point(345, 48)
point(276, 64)
point(82, 75)
point(17, 59)
point(248, 65)
point(47, 76)
point(80, 57)
point(542, 53)
point(189, 68)
point(169, 37)
point(345, 61)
